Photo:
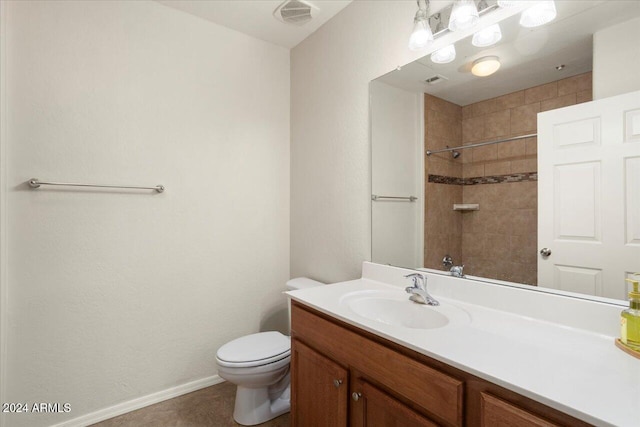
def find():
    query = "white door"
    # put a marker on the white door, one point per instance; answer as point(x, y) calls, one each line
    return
point(397, 153)
point(589, 196)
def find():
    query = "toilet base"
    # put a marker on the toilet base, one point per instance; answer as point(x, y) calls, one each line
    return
point(258, 405)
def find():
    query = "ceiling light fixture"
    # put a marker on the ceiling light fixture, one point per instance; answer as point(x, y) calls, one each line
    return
point(508, 3)
point(421, 35)
point(539, 14)
point(444, 55)
point(487, 36)
point(464, 15)
point(485, 66)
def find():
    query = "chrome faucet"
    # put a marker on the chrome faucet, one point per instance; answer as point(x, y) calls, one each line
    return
point(457, 271)
point(418, 291)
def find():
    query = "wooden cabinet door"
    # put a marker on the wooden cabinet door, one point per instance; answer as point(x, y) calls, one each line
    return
point(498, 413)
point(319, 389)
point(371, 407)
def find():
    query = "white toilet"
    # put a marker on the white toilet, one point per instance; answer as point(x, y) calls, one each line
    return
point(259, 365)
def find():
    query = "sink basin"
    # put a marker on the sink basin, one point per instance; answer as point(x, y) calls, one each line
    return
point(394, 308)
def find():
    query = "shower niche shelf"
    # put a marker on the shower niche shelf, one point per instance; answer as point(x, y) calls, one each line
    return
point(465, 207)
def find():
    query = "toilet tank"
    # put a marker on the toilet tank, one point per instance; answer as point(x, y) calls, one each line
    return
point(297, 284)
point(302, 283)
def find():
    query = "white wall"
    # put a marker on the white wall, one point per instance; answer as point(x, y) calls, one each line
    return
point(330, 149)
point(397, 144)
point(616, 59)
point(117, 294)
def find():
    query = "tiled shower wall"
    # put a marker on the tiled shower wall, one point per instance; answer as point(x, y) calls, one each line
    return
point(443, 227)
point(500, 239)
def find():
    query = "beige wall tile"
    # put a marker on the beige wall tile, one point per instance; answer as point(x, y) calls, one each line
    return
point(521, 195)
point(497, 168)
point(497, 124)
point(497, 247)
point(584, 96)
point(575, 84)
point(510, 100)
point(445, 107)
point(542, 92)
point(524, 249)
point(496, 221)
point(471, 170)
point(531, 146)
point(529, 164)
point(511, 149)
point(484, 107)
point(435, 142)
point(467, 113)
point(472, 129)
point(486, 153)
point(559, 102)
point(524, 222)
point(472, 244)
point(524, 119)
point(584, 81)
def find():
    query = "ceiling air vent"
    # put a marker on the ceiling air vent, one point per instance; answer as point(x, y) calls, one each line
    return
point(295, 12)
point(436, 79)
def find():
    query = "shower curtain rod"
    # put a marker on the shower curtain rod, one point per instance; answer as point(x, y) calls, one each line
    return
point(480, 144)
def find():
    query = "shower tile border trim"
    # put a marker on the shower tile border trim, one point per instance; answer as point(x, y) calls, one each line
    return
point(478, 180)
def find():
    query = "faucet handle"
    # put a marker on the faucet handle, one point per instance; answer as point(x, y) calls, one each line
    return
point(417, 279)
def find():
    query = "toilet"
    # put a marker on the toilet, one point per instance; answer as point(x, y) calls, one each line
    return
point(258, 364)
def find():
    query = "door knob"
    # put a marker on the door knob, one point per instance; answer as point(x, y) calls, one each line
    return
point(337, 383)
point(356, 396)
point(545, 252)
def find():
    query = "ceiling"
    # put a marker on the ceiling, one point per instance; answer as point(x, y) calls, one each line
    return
point(255, 17)
point(528, 56)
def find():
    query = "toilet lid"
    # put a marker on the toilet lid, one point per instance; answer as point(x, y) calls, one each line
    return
point(260, 348)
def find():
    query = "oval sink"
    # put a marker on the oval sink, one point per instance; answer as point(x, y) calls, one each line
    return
point(395, 308)
point(399, 313)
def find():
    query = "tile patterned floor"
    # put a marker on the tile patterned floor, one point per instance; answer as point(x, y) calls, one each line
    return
point(209, 407)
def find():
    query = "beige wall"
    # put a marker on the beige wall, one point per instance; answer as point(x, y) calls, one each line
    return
point(330, 148)
point(443, 227)
point(499, 240)
point(114, 295)
point(616, 59)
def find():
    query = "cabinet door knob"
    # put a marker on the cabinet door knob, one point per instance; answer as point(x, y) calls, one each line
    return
point(356, 396)
point(337, 383)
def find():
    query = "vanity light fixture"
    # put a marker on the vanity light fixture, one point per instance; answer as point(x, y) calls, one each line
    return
point(464, 15)
point(485, 66)
point(421, 35)
point(444, 55)
point(487, 36)
point(539, 14)
point(542, 12)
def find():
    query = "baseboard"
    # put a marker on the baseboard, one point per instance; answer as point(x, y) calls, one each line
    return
point(140, 402)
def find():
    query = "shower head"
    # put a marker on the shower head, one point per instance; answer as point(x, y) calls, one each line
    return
point(455, 154)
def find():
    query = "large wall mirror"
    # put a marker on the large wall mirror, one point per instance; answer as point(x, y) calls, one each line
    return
point(512, 174)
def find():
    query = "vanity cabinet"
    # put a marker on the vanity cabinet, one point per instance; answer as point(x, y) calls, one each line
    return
point(372, 407)
point(323, 401)
point(342, 375)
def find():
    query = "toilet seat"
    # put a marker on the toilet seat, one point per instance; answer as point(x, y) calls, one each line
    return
point(254, 350)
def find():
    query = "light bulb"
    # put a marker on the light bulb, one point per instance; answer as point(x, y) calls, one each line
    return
point(464, 15)
point(487, 36)
point(421, 35)
point(444, 55)
point(485, 66)
point(539, 14)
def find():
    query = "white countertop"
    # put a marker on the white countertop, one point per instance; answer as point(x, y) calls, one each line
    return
point(577, 371)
